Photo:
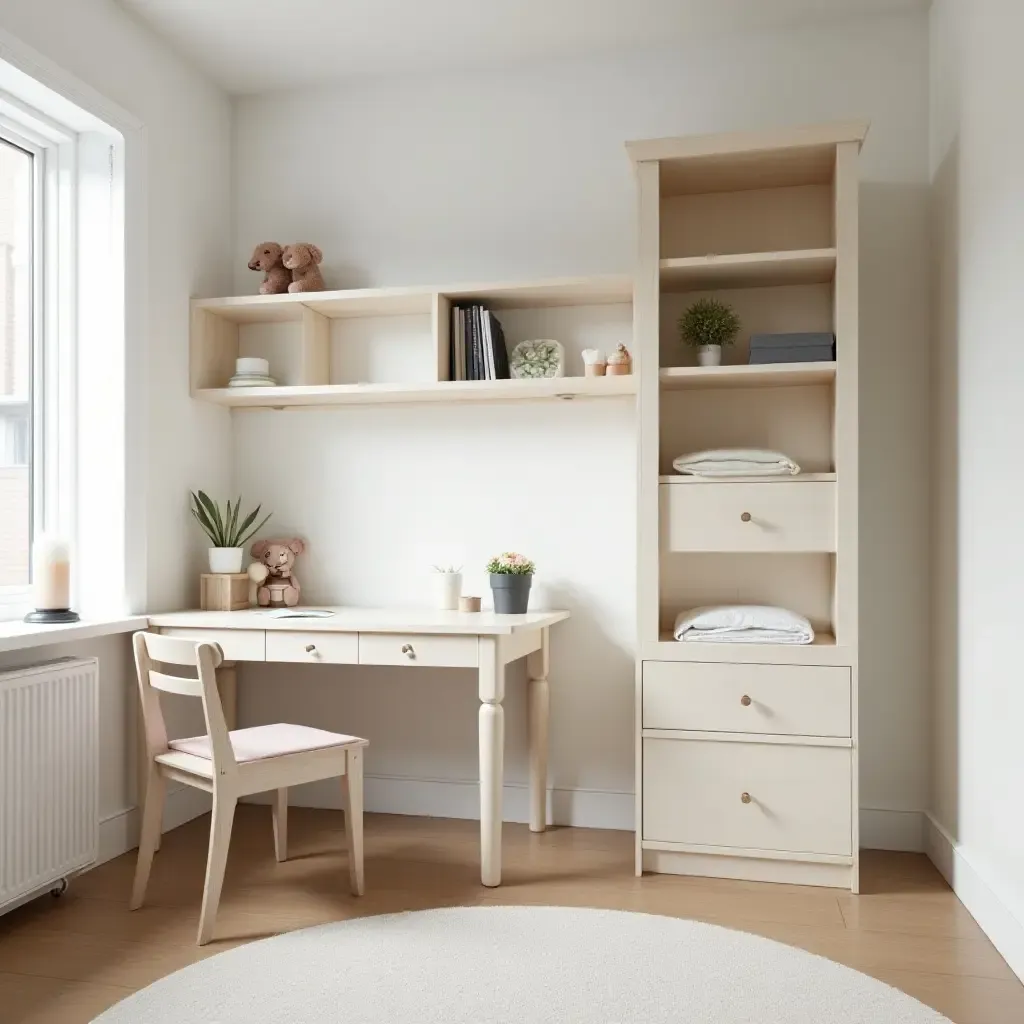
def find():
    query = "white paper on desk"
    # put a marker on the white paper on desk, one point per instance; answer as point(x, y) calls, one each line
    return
point(300, 613)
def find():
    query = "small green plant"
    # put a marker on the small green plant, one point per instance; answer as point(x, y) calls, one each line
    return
point(222, 526)
point(448, 569)
point(709, 322)
point(510, 564)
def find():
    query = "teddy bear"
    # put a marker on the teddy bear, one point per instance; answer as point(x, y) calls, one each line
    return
point(267, 256)
point(301, 258)
point(277, 585)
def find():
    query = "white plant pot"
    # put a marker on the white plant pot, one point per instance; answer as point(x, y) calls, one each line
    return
point(709, 355)
point(447, 590)
point(226, 560)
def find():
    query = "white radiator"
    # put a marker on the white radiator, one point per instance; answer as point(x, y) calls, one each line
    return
point(49, 775)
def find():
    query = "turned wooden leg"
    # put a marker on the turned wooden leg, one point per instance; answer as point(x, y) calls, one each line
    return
point(492, 751)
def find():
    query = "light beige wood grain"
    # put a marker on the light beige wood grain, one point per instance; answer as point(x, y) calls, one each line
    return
point(778, 699)
point(314, 349)
point(413, 650)
point(313, 648)
point(768, 375)
point(748, 270)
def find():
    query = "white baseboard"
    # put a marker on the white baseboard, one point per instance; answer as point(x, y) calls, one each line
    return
point(458, 798)
point(980, 894)
point(883, 829)
point(119, 832)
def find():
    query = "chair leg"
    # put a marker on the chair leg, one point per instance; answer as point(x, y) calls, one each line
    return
point(220, 839)
point(352, 787)
point(149, 833)
point(280, 813)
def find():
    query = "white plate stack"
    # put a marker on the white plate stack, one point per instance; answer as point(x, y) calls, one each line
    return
point(252, 373)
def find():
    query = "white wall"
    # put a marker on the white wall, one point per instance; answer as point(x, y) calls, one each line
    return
point(977, 151)
point(523, 174)
point(180, 220)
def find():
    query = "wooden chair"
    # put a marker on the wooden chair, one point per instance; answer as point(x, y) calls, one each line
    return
point(231, 765)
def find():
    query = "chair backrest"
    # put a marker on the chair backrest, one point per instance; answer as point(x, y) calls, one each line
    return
point(152, 650)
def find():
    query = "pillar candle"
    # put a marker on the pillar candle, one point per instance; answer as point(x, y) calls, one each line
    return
point(51, 573)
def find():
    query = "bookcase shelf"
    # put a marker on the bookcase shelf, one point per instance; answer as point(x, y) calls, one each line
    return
point(765, 375)
point(441, 391)
point(748, 270)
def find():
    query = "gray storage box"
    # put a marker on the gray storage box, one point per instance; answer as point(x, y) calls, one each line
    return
point(811, 347)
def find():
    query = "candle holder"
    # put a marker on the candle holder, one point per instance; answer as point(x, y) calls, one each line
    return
point(51, 581)
point(52, 615)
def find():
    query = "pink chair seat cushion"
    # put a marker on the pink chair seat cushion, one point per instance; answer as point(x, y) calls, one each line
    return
point(263, 741)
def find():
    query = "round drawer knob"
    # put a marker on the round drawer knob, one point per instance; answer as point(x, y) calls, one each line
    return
point(310, 648)
point(745, 798)
point(408, 651)
point(745, 701)
point(745, 517)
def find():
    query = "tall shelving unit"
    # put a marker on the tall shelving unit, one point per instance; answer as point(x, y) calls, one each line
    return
point(747, 755)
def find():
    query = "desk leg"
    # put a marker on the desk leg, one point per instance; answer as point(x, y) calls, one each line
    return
point(538, 701)
point(492, 751)
point(227, 685)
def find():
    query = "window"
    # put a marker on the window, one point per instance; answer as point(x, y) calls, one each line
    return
point(19, 223)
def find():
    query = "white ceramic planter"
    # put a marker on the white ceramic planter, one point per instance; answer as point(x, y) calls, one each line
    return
point(447, 590)
point(226, 560)
point(709, 355)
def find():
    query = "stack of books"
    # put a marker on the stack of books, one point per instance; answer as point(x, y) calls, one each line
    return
point(477, 349)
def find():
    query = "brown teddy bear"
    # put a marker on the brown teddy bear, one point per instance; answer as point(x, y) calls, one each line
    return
point(278, 585)
point(267, 256)
point(301, 258)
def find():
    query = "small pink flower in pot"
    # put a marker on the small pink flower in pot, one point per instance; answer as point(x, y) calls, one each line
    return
point(511, 576)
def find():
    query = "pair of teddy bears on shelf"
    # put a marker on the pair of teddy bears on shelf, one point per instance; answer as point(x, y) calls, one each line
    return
point(288, 268)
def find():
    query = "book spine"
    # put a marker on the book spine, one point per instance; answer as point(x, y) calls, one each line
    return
point(487, 343)
point(501, 367)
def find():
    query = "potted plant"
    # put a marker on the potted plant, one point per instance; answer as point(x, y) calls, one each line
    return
point(708, 325)
point(226, 533)
point(447, 587)
point(511, 576)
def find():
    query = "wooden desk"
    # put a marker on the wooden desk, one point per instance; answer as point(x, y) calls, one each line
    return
point(410, 639)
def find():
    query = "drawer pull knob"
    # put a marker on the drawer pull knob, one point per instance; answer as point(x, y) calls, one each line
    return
point(745, 701)
point(310, 648)
point(745, 517)
point(745, 798)
point(408, 651)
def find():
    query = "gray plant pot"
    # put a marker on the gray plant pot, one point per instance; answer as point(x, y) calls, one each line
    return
point(511, 592)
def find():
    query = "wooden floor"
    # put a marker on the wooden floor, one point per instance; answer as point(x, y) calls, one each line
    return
point(64, 961)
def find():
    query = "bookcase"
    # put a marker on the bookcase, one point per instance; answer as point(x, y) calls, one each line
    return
point(747, 754)
point(391, 345)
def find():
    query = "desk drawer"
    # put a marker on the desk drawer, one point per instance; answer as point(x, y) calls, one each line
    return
point(799, 797)
point(399, 649)
point(784, 515)
point(313, 648)
point(237, 644)
point(787, 700)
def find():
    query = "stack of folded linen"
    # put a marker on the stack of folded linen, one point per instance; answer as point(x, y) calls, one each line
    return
point(736, 462)
point(743, 624)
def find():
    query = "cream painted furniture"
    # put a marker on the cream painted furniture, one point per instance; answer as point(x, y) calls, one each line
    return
point(231, 763)
point(747, 755)
point(482, 641)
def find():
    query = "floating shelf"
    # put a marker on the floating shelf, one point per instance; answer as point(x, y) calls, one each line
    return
point(748, 270)
point(366, 302)
point(766, 375)
point(678, 478)
point(413, 393)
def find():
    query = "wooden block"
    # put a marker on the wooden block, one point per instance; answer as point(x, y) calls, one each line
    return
point(224, 592)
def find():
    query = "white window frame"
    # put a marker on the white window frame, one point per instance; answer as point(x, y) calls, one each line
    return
point(52, 390)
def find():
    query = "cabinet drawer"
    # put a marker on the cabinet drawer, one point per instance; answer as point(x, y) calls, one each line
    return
point(777, 516)
point(398, 649)
point(787, 700)
point(313, 648)
point(237, 644)
point(799, 796)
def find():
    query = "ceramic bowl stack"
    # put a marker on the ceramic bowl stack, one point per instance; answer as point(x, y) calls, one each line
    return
point(252, 373)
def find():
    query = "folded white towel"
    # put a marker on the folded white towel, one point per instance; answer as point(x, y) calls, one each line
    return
point(736, 462)
point(743, 624)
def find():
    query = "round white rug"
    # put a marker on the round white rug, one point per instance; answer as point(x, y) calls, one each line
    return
point(518, 965)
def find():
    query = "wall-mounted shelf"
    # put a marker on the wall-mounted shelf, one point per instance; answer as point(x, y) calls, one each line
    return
point(748, 270)
point(442, 391)
point(766, 375)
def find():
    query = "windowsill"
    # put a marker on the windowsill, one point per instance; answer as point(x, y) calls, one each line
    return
point(17, 636)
